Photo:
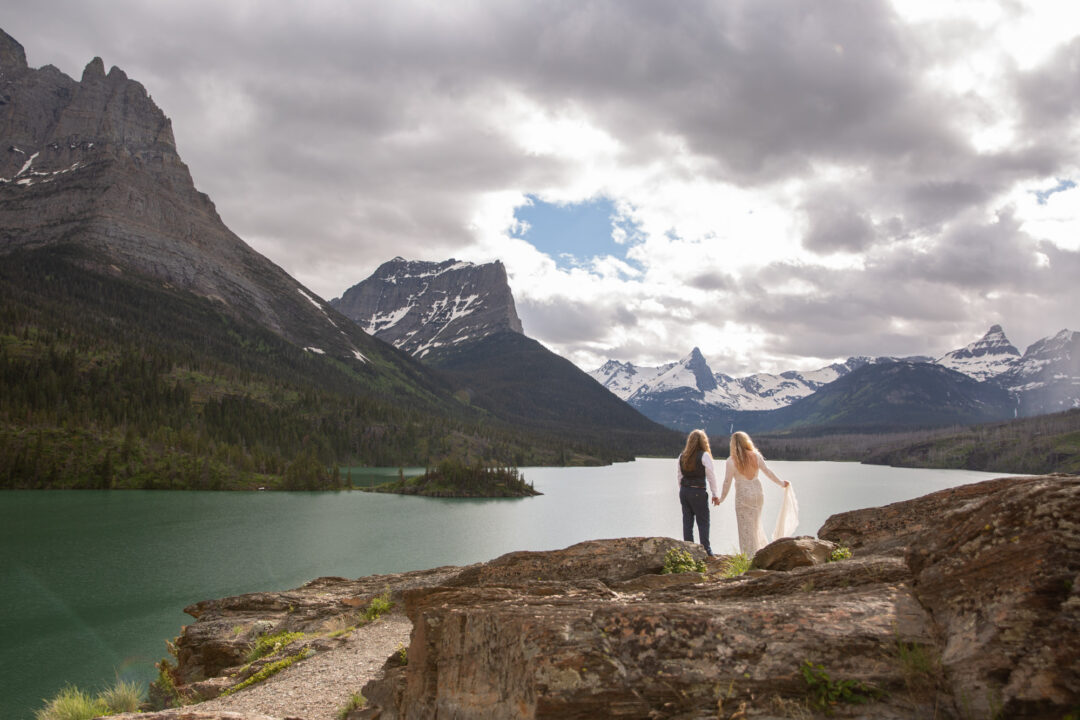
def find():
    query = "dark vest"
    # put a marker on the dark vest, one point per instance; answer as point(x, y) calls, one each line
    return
point(694, 478)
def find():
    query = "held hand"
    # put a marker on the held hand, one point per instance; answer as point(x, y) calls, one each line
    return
point(715, 500)
point(787, 484)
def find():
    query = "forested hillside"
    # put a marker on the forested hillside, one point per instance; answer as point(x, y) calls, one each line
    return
point(118, 380)
point(1044, 444)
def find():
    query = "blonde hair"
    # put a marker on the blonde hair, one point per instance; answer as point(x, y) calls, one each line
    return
point(696, 443)
point(745, 454)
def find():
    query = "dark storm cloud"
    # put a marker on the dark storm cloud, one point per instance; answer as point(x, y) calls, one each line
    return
point(711, 280)
point(836, 223)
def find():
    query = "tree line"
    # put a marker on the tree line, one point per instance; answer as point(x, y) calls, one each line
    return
point(116, 382)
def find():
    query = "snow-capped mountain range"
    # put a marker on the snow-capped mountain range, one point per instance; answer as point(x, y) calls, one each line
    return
point(691, 374)
point(1046, 378)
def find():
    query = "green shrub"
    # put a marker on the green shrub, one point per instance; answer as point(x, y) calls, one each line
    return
point(269, 670)
point(378, 606)
point(270, 644)
point(163, 692)
point(841, 553)
point(825, 693)
point(736, 565)
point(678, 560)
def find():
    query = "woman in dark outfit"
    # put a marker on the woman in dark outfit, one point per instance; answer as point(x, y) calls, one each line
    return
point(695, 469)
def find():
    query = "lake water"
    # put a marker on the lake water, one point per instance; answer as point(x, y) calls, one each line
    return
point(92, 583)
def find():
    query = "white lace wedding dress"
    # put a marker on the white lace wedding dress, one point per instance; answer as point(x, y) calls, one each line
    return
point(749, 499)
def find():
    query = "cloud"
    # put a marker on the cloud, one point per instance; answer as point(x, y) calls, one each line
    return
point(803, 181)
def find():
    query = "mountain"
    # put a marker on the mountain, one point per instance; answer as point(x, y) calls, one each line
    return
point(692, 380)
point(986, 358)
point(460, 319)
point(886, 397)
point(1046, 378)
point(520, 381)
point(420, 307)
point(687, 394)
point(95, 162)
point(143, 344)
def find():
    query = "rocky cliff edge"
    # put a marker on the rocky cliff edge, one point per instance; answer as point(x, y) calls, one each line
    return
point(960, 604)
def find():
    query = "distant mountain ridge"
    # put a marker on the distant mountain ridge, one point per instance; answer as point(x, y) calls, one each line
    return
point(687, 394)
point(692, 377)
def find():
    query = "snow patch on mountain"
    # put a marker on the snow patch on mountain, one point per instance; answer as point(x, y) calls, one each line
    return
point(421, 307)
point(692, 375)
point(988, 357)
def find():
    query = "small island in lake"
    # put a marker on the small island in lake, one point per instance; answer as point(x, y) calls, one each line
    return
point(454, 478)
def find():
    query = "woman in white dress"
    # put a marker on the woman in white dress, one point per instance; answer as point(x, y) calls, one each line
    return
point(743, 465)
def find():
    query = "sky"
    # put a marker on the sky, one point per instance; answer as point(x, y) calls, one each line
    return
point(779, 183)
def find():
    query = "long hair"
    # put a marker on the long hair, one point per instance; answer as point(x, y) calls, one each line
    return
point(745, 454)
point(696, 443)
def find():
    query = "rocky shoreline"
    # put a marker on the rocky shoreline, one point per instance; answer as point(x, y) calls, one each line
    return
point(959, 604)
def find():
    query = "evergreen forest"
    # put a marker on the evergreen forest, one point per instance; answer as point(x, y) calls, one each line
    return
point(113, 380)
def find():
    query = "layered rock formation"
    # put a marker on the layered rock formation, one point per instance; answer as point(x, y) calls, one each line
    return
point(93, 164)
point(964, 603)
point(421, 307)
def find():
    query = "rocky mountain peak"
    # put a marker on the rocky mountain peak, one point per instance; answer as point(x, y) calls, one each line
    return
point(12, 55)
point(703, 374)
point(422, 306)
point(989, 356)
point(94, 70)
point(94, 164)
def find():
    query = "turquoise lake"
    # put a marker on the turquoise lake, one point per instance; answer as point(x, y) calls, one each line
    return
point(92, 583)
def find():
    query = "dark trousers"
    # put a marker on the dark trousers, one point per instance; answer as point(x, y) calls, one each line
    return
point(695, 506)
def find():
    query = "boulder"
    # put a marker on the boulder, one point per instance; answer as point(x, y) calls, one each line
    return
point(790, 553)
point(1001, 575)
point(891, 528)
point(608, 561)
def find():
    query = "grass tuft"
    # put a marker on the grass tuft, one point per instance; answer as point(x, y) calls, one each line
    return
point(736, 565)
point(71, 703)
point(123, 697)
point(356, 701)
